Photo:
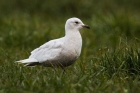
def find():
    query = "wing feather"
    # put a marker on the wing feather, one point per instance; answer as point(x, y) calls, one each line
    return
point(48, 51)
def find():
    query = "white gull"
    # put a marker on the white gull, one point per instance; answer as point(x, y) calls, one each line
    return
point(59, 52)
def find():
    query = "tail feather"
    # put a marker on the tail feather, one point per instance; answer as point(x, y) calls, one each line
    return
point(27, 61)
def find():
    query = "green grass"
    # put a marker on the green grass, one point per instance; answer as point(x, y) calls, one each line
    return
point(110, 58)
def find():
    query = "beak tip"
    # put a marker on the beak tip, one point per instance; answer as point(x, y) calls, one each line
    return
point(86, 26)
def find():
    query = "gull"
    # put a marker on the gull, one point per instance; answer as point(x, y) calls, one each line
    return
point(60, 52)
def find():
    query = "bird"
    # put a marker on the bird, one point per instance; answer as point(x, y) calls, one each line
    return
point(61, 52)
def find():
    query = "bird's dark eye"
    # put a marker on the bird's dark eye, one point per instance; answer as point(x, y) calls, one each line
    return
point(76, 22)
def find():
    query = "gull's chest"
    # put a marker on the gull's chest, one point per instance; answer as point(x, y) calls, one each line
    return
point(73, 46)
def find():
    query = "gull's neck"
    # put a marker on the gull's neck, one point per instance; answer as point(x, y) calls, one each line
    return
point(72, 33)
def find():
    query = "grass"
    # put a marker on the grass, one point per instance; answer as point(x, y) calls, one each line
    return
point(110, 58)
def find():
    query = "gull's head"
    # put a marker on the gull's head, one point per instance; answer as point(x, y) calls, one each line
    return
point(75, 24)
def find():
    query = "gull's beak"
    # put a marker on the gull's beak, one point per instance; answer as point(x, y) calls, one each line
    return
point(86, 26)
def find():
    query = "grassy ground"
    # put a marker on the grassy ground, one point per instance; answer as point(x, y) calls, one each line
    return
point(110, 59)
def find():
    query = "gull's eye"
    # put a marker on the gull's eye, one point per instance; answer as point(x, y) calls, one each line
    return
point(77, 22)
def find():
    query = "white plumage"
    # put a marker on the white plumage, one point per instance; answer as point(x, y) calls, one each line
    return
point(59, 52)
